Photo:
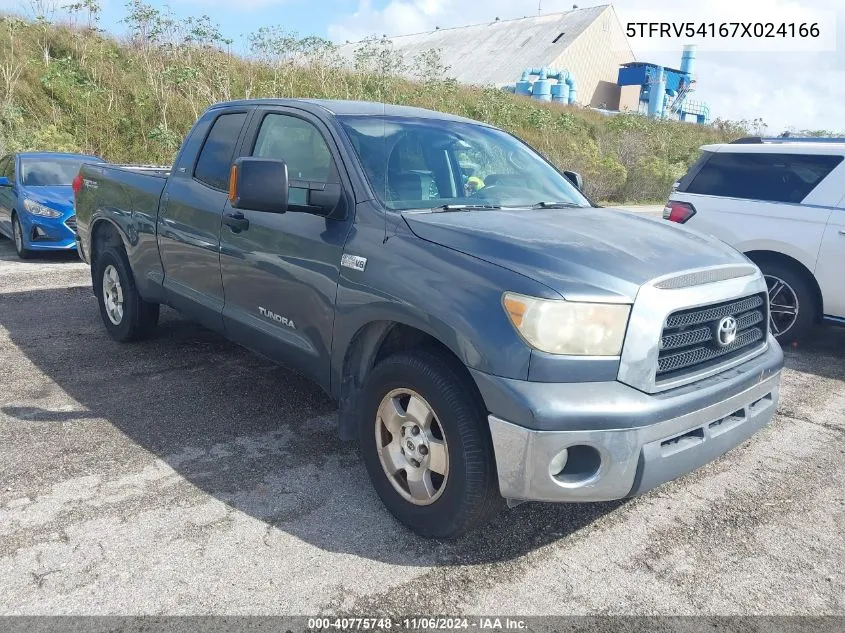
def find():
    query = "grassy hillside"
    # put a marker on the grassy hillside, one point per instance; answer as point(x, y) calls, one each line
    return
point(67, 86)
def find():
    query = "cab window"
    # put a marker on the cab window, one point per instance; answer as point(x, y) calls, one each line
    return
point(299, 144)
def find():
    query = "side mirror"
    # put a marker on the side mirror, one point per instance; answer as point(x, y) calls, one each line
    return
point(318, 198)
point(575, 178)
point(5, 182)
point(259, 184)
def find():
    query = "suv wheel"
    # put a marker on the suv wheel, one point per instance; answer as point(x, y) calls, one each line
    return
point(125, 314)
point(17, 238)
point(792, 303)
point(424, 440)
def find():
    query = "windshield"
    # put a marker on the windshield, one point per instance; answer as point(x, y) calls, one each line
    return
point(415, 163)
point(51, 172)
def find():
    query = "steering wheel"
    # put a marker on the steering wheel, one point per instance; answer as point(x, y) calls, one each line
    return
point(497, 191)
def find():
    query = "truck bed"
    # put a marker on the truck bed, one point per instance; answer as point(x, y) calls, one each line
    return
point(128, 194)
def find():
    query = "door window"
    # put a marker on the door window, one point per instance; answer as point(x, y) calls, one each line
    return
point(215, 158)
point(769, 177)
point(7, 168)
point(299, 144)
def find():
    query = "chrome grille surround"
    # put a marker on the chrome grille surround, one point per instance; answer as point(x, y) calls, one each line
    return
point(705, 276)
point(656, 304)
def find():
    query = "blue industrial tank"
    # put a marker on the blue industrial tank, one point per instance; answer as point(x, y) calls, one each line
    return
point(543, 87)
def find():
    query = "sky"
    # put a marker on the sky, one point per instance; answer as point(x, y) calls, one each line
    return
point(786, 89)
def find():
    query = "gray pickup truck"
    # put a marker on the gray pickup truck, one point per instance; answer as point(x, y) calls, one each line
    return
point(486, 331)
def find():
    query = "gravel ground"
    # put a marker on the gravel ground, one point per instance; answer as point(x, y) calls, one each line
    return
point(184, 475)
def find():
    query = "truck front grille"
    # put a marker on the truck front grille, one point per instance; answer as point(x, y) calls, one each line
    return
point(690, 341)
point(71, 223)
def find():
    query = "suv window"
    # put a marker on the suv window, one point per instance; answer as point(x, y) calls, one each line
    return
point(769, 177)
point(215, 158)
point(299, 144)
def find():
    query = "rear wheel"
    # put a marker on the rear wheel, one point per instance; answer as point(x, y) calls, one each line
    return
point(17, 238)
point(125, 314)
point(426, 445)
point(793, 308)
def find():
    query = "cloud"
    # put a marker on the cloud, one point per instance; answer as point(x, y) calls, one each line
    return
point(785, 89)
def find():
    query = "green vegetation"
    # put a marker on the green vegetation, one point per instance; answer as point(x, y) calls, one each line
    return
point(69, 87)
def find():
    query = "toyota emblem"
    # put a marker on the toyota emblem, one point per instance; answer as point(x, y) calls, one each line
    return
point(726, 331)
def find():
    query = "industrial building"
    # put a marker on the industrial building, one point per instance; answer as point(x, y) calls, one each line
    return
point(664, 92)
point(577, 57)
point(583, 48)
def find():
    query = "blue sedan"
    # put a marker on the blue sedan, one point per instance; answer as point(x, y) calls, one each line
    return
point(36, 200)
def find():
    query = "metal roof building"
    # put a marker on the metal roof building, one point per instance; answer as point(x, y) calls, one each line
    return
point(589, 43)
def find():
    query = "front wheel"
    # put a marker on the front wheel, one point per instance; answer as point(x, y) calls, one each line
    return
point(426, 445)
point(125, 314)
point(17, 238)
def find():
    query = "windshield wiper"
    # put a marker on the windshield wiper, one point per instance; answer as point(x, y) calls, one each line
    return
point(557, 205)
point(464, 207)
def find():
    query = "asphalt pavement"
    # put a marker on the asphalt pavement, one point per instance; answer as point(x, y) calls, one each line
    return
point(184, 475)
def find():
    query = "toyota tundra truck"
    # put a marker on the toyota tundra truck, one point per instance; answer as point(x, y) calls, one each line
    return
point(487, 332)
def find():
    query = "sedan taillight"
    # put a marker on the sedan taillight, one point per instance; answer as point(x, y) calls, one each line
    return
point(678, 212)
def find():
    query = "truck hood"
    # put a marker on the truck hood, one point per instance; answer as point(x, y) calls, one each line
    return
point(582, 253)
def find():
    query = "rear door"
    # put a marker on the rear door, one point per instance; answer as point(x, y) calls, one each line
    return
point(280, 273)
point(190, 215)
point(830, 271)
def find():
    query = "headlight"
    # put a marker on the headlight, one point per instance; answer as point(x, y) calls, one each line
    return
point(39, 209)
point(566, 327)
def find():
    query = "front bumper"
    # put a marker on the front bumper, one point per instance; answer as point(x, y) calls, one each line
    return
point(614, 441)
point(47, 234)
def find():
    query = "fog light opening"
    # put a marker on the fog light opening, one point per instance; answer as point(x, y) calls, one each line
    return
point(576, 465)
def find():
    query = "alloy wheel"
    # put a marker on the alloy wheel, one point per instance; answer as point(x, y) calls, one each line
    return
point(783, 305)
point(112, 295)
point(412, 447)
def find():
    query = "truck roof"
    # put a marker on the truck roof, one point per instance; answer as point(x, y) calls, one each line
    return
point(777, 148)
point(343, 107)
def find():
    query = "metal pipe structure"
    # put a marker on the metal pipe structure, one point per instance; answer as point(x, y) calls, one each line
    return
point(657, 94)
point(543, 88)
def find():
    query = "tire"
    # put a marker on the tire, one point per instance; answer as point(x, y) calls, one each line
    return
point(790, 292)
point(136, 318)
point(468, 495)
point(17, 239)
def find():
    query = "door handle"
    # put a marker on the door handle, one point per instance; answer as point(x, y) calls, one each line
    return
point(236, 221)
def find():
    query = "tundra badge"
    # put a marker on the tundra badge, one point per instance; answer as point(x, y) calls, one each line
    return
point(277, 317)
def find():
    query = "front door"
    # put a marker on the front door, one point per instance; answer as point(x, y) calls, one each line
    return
point(7, 194)
point(280, 273)
point(189, 220)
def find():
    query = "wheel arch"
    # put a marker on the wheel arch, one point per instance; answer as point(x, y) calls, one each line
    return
point(103, 233)
point(762, 256)
point(373, 342)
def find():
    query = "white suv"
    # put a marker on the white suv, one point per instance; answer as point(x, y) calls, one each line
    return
point(782, 203)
